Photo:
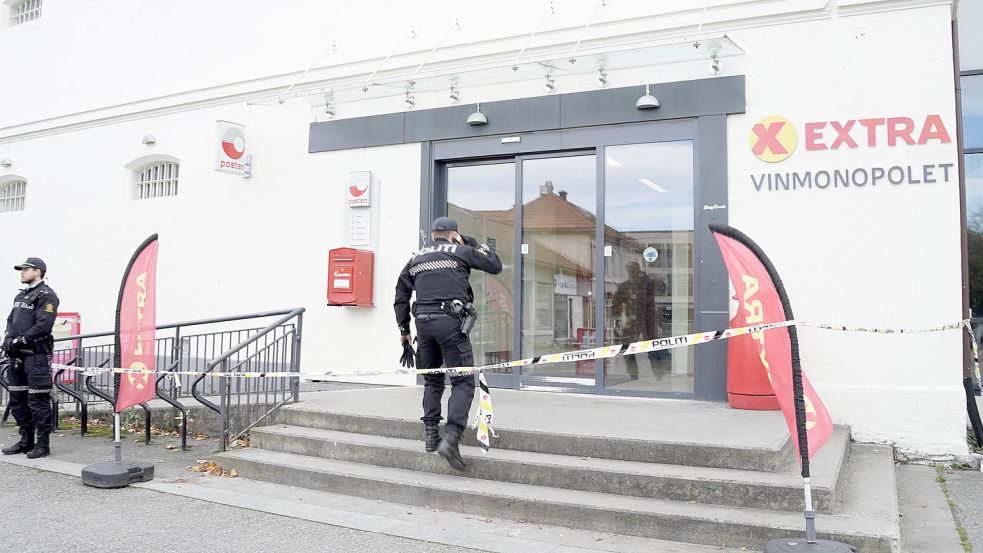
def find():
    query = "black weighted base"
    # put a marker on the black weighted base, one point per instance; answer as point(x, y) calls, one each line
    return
point(117, 475)
point(793, 545)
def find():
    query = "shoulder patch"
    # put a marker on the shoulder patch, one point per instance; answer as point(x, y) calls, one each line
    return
point(50, 308)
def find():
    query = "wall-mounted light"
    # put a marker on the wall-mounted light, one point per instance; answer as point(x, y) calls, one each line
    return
point(149, 139)
point(330, 110)
point(410, 100)
point(5, 162)
point(602, 78)
point(716, 66)
point(477, 118)
point(550, 85)
point(455, 95)
point(647, 101)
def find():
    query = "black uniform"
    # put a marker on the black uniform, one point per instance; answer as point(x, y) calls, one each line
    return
point(28, 342)
point(439, 274)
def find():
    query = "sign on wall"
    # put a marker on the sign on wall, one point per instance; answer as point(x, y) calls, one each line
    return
point(774, 139)
point(231, 152)
point(358, 194)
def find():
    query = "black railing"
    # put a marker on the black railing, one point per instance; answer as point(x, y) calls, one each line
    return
point(242, 403)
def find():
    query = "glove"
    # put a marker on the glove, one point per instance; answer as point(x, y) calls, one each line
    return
point(408, 359)
point(469, 241)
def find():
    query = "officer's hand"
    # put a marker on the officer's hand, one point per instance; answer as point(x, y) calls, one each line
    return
point(404, 339)
point(469, 241)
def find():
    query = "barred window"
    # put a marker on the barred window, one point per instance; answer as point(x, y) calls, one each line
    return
point(157, 180)
point(26, 10)
point(13, 195)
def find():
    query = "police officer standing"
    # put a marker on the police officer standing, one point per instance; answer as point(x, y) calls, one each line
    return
point(28, 344)
point(443, 312)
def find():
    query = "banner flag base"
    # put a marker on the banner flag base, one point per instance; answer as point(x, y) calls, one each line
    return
point(793, 545)
point(117, 474)
point(109, 474)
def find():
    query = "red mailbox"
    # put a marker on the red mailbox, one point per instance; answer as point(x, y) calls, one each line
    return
point(350, 277)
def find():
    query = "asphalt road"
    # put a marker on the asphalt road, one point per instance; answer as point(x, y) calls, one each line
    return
point(46, 511)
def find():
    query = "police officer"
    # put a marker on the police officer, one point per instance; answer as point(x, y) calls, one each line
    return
point(28, 344)
point(439, 275)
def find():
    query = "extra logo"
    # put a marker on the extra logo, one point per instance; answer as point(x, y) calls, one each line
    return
point(775, 138)
point(233, 143)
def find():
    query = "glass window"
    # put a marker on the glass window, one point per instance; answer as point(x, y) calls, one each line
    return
point(480, 198)
point(974, 220)
point(972, 104)
point(648, 284)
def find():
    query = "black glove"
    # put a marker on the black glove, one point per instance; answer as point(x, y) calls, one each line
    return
point(408, 359)
point(469, 241)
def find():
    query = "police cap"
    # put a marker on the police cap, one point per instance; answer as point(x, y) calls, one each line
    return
point(444, 223)
point(32, 263)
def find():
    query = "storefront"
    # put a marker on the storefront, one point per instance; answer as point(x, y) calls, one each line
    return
point(826, 131)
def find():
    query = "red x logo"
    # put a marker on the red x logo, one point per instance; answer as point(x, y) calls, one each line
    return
point(768, 138)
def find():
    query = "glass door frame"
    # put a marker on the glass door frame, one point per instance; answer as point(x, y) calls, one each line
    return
point(708, 134)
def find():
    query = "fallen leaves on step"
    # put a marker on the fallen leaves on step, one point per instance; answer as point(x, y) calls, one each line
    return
point(208, 467)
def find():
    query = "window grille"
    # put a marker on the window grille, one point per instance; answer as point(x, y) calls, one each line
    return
point(157, 180)
point(13, 196)
point(28, 10)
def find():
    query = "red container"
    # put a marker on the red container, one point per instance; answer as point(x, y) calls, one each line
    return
point(350, 277)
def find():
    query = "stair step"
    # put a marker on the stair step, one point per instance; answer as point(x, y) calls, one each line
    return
point(715, 525)
point(766, 455)
point(777, 491)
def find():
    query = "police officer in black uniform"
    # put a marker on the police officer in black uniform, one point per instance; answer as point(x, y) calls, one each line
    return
point(28, 344)
point(439, 275)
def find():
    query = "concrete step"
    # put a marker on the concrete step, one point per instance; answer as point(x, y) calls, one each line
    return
point(715, 525)
point(764, 490)
point(766, 455)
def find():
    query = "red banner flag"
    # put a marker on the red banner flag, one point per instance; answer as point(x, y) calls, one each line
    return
point(761, 300)
point(136, 327)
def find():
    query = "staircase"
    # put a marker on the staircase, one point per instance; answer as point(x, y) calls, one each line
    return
point(696, 490)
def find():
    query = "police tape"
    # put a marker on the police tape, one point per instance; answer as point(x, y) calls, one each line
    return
point(603, 352)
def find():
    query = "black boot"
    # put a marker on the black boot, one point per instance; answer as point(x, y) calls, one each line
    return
point(25, 444)
point(41, 448)
point(433, 437)
point(448, 448)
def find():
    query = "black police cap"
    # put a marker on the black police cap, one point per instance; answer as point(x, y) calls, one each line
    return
point(33, 263)
point(444, 223)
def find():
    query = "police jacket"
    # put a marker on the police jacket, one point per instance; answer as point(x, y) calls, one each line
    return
point(33, 315)
point(439, 274)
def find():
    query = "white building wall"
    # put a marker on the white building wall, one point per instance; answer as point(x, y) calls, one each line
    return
point(91, 81)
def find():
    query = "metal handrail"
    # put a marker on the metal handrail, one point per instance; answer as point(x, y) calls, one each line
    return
point(80, 398)
point(176, 404)
point(188, 323)
point(223, 359)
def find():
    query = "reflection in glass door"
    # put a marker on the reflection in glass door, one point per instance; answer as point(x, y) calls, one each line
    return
point(481, 199)
point(557, 253)
point(648, 273)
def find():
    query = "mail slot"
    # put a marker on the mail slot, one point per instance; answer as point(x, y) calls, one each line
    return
point(350, 277)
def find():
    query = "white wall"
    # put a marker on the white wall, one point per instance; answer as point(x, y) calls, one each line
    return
point(885, 256)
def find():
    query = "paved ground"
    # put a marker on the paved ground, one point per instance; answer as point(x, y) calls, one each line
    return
point(966, 489)
point(60, 514)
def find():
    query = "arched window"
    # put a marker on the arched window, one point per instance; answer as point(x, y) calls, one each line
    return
point(156, 179)
point(13, 195)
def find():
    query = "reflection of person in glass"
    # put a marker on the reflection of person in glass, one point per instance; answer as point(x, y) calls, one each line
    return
point(634, 306)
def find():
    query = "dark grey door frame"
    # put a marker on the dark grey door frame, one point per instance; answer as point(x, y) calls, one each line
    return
point(708, 134)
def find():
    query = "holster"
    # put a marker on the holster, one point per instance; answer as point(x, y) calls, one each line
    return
point(470, 316)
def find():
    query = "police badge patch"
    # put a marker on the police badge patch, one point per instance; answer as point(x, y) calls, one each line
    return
point(50, 308)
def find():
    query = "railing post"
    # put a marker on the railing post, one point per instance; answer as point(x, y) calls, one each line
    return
point(223, 402)
point(295, 361)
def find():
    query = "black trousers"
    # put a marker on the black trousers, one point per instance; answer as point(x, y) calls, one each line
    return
point(30, 390)
point(440, 342)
